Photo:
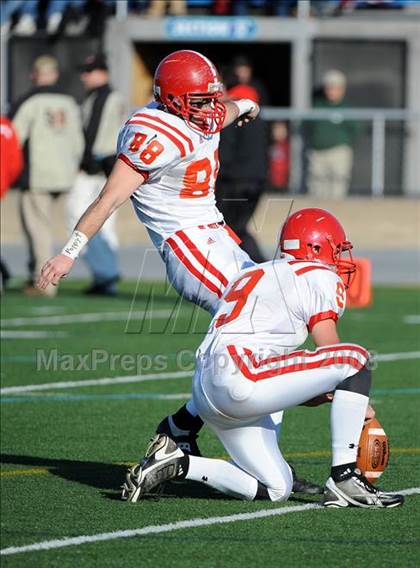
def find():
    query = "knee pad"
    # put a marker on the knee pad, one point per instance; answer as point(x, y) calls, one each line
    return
point(359, 383)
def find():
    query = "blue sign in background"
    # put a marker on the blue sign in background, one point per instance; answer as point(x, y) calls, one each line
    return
point(210, 28)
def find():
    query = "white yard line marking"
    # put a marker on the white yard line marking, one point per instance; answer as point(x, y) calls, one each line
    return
point(397, 356)
point(27, 334)
point(156, 529)
point(413, 320)
point(155, 377)
point(47, 310)
point(50, 397)
point(84, 318)
point(96, 382)
point(410, 491)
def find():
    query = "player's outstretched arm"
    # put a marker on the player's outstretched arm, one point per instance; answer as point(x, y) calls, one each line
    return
point(122, 182)
point(244, 109)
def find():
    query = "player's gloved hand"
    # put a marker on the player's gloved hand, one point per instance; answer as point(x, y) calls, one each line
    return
point(249, 116)
point(248, 110)
point(54, 269)
point(370, 413)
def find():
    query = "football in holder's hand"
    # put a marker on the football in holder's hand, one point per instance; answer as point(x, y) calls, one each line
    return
point(373, 452)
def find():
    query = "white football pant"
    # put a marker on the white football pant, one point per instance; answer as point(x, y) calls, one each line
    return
point(235, 394)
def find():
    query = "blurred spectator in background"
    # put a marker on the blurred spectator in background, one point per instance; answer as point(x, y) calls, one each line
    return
point(269, 7)
point(11, 163)
point(279, 157)
point(283, 8)
point(59, 10)
point(88, 16)
point(326, 8)
point(330, 142)
point(8, 8)
point(72, 17)
point(243, 171)
point(157, 8)
point(29, 13)
point(103, 113)
point(48, 125)
point(243, 74)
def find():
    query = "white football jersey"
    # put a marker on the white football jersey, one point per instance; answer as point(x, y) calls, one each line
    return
point(179, 165)
point(272, 306)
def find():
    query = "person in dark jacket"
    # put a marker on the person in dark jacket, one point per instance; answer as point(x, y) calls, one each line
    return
point(243, 171)
point(103, 112)
point(242, 73)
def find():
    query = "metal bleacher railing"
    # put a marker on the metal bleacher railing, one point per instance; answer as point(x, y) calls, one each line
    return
point(378, 119)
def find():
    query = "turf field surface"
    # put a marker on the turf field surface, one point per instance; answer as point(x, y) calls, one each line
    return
point(65, 448)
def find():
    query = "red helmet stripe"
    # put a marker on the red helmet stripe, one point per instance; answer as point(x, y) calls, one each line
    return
point(209, 63)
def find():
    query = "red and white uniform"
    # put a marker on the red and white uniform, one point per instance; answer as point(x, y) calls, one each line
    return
point(248, 366)
point(177, 204)
point(11, 155)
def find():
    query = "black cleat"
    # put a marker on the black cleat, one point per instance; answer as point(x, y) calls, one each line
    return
point(187, 444)
point(302, 485)
point(356, 491)
point(163, 461)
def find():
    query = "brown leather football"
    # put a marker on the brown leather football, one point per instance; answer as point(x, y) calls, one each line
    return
point(373, 451)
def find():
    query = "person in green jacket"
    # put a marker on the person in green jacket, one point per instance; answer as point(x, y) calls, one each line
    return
point(330, 142)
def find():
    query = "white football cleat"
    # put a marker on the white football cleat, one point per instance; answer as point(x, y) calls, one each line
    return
point(356, 491)
point(163, 461)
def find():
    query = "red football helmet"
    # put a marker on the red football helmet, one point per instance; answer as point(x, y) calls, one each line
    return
point(315, 234)
point(188, 84)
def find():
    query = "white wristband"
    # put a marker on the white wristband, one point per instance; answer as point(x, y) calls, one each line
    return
point(245, 106)
point(75, 244)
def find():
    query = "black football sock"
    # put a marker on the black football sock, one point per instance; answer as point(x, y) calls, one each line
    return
point(262, 493)
point(342, 472)
point(186, 421)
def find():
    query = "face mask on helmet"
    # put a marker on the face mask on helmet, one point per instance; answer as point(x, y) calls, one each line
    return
point(316, 235)
point(203, 112)
point(345, 267)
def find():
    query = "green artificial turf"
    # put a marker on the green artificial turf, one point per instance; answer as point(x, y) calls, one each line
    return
point(64, 451)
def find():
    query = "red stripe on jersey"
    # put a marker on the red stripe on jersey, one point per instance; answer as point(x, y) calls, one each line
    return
point(309, 268)
point(201, 258)
point(303, 366)
point(232, 234)
point(304, 353)
point(126, 160)
point(321, 316)
point(212, 287)
point(177, 142)
point(155, 118)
